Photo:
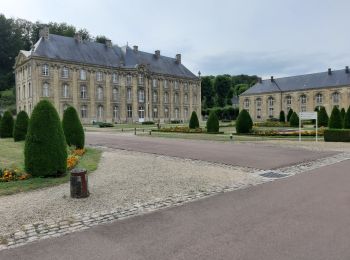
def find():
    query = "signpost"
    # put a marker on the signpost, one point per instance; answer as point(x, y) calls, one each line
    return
point(307, 116)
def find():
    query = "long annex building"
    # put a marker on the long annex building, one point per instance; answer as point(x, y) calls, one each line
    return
point(302, 93)
point(105, 82)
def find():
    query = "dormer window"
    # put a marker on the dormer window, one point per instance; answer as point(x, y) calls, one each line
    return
point(45, 70)
point(65, 73)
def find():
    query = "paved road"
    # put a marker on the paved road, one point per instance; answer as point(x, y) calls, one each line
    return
point(302, 217)
point(259, 156)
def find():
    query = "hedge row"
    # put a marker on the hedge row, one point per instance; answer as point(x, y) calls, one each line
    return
point(222, 113)
point(337, 135)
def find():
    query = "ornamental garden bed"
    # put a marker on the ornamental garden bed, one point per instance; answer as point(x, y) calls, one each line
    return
point(286, 132)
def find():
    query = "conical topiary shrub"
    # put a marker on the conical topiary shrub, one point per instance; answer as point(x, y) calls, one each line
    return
point(322, 117)
point(294, 120)
point(45, 151)
point(73, 130)
point(194, 123)
point(347, 119)
point(244, 123)
point(335, 120)
point(213, 123)
point(21, 126)
point(6, 125)
point(342, 112)
point(282, 117)
point(290, 112)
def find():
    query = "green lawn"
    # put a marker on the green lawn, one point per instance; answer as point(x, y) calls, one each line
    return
point(11, 155)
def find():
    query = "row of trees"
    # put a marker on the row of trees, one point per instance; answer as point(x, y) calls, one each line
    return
point(217, 91)
point(46, 138)
point(20, 34)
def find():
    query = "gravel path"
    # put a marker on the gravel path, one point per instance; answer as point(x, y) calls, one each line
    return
point(123, 178)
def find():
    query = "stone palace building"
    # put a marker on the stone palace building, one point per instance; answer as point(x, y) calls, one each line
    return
point(302, 93)
point(105, 82)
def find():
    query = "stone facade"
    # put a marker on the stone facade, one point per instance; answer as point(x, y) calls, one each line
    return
point(263, 105)
point(106, 93)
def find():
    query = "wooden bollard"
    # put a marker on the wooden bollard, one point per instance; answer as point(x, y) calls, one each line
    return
point(79, 183)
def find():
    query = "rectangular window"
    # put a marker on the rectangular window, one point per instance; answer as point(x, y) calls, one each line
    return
point(155, 112)
point(83, 112)
point(140, 79)
point(128, 95)
point(154, 83)
point(115, 78)
point(270, 111)
point(141, 96)
point(45, 70)
point(82, 74)
point(65, 73)
point(165, 83)
point(129, 108)
point(99, 76)
point(128, 80)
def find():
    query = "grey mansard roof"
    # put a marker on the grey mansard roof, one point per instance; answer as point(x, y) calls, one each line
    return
point(337, 78)
point(68, 49)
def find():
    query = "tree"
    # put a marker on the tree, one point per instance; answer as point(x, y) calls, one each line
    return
point(335, 120)
point(45, 151)
point(194, 123)
point(347, 119)
point(6, 125)
point(342, 112)
point(21, 126)
point(213, 123)
point(207, 92)
point(290, 112)
point(294, 120)
point(73, 130)
point(101, 39)
point(322, 117)
point(282, 117)
point(222, 86)
point(244, 122)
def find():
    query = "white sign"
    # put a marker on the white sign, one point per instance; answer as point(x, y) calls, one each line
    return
point(308, 115)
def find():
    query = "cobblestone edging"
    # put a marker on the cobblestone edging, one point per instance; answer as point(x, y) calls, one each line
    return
point(79, 222)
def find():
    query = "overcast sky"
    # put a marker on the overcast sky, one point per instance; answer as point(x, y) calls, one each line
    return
point(262, 37)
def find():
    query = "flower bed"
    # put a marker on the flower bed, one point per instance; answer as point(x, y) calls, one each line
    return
point(180, 129)
point(272, 124)
point(7, 175)
point(292, 132)
point(73, 158)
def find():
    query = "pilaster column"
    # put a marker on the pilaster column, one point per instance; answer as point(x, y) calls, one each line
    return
point(108, 89)
point(92, 92)
point(56, 89)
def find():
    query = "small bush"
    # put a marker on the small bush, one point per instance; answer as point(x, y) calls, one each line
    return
point(102, 124)
point(194, 123)
point(322, 117)
point(294, 120)
point(335, 121)
point(147, 123)
point(45, 151)
point(6, 125)
point(347, 119)
point(244, 123)
point(337, 135)
point(21, 126)
point(73, 130)
point(290, 112)
point(176, 121)
point(213, 123)
point(282, 117)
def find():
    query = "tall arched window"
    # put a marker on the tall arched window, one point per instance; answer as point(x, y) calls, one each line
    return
point(83, 92)
point(186, 113)
point(141, 95)
point(140, 79)
point(65, 91)
point(100, 112)
point(166, 97)
point(176, 98)
point(65, 73)
point(115, 113)
point(155, 97)
point(166, 112)
point(186, 98)
point(128, 95)
point(115, 78)
point(177, 113)
point(46, 90)
point(45, 70)
point(115, 94)
point(99, 93)
point(271, 102)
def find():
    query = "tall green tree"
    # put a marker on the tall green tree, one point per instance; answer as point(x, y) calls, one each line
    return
point(347, 119)
point(207, 92)
point(290, 112)
point(194, 123)
point(244, 122)
point(282, 117)
point(101, 39)
point(322, 117)
point(21, 126)
point(73, 129)
point(222, 86)
point(6, 125)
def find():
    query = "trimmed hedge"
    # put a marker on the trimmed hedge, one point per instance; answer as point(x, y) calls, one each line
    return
point(244, 123)
point(6, 125)
point(294, 120)
point(147, 123)
point(282, 117)
point(336, 120)
point(194, 123)
point(102, 124)
point(21, 126)
point(73, 130)
point(337, 135)
point(45, 150)
point(322, 117)
point(290, 112)
point(213, 123)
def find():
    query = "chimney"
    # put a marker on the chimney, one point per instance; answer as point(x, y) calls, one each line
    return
point(44, 32)
point(136, 48)
point(157, 53)
point(78, 37)
point(108, 43)
point(272, 79)
point(178, 58)
point(329, 71)
point(347, 69)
